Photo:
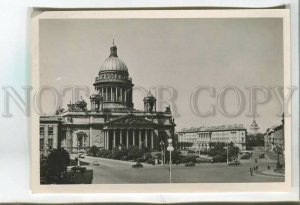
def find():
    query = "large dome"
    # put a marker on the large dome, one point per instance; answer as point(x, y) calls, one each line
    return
point(113, 62)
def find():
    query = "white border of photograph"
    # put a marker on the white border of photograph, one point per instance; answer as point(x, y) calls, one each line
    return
point(159, 188)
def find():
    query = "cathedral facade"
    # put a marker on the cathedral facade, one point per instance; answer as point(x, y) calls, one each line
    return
point(111, 119)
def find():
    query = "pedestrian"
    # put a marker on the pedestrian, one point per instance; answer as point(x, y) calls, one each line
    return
point(255, 160)
point(268, 167)
point(251, 171)
point(256, 167)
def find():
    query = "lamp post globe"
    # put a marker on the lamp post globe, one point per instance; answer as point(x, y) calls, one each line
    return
point(170, 148)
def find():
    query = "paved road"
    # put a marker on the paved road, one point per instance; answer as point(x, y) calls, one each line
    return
point(119, 172)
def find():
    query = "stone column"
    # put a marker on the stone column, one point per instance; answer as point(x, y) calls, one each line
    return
point(107, 139)
point(104, 141)
point(125, 97)
point(121, 136)
point(114, 144)
point(102, 92)
point(106, 93)
point(69, 140)
point(117, 99)
point(121, 94)
point(140, 138)
point(127, 140)
point(111, 94)
point(91, 136)
point(151, 139)
point(46, 140)
point(146, 138)
point(55, 137)
point(133, 136)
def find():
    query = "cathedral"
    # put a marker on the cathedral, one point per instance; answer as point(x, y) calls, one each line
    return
point(111, 119)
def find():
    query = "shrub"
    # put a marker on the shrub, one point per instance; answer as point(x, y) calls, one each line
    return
point(192, 159)
point(220, 158)
point(151, 161)
point(134, 152)
point(125, 157)
point(191, 151)
point(53, 166)
point(141, 159)
point(103, 153)
point(93, 151)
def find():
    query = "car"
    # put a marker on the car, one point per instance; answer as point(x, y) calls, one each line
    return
point(245, 156)
point(190, 164)
point(81, 156)
point(96, 163)
point(261, 155)
point(137, 165)
point(234, 163)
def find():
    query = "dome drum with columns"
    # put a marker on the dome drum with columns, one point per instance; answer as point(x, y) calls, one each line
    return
point(112, 120)
point(113, 82)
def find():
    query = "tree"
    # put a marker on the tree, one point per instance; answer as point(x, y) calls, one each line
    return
point(54, 165)
point(103, 153)
point(233, 151)
point(119, 153)
point(219, 153)
point(176, 156)
point(254, 140)
point(93, 151)
point(134, 152)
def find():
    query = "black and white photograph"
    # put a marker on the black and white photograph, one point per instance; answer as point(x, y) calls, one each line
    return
point(162, 97)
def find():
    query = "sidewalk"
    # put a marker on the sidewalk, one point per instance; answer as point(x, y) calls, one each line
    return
point(270, 172)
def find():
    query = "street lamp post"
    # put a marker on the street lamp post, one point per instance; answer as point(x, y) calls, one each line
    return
point(78, 162)
point(162, 144)
point(226, 152)
point(278, 152)
point(198, 145)
point(170, 148)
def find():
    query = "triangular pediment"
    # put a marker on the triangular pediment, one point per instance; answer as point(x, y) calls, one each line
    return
point(129, 120)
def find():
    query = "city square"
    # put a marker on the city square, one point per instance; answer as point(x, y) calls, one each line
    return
point(125, 133)
point(119, 172)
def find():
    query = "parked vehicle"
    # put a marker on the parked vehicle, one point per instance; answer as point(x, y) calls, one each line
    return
point(137, 165)
point(234, 163)
point(190, 164)
point(96, 163)
point(245, 156)
point(81, 156)
point(261, 155)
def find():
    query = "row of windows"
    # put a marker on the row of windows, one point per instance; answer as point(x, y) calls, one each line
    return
point(50, 143)
point(50, 130)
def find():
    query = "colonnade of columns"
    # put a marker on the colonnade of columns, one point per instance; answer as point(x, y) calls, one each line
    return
point(128, 137)
point(115, 94)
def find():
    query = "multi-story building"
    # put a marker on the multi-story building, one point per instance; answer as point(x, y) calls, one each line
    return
point(112, 119)
point(50, 128)
point(203, 136)
point(274, 137)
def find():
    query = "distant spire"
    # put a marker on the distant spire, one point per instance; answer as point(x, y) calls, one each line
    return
point(254, 127)
point(113, 50)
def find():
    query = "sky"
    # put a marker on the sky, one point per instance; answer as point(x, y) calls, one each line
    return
point(181, 54)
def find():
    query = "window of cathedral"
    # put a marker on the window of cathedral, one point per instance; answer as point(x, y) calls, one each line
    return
point(42, 130)
point(50, 130)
